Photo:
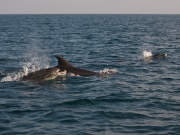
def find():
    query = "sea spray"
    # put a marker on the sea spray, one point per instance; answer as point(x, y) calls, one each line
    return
point(12, 77)
point(33, 59)
point(27, 67)
point(147, 54)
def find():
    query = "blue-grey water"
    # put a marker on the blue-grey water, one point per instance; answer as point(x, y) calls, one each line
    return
point(137, 98)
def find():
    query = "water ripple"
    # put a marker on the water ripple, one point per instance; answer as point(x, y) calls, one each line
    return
point(130, 95)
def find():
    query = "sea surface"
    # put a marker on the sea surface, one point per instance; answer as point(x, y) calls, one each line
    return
point(132, 96)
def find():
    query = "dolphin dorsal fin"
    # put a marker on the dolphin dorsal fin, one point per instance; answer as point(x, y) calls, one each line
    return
point(62, 63)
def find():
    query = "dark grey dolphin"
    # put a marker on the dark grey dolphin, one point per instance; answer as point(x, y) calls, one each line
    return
point(44, 74)
point(71, 70)
point(156, 56)
point(159, 55)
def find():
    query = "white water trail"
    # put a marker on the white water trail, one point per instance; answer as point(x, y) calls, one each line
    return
point(107, 72)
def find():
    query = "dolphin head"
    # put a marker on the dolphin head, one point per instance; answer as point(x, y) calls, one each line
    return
point(164, 55)
point(159, 55)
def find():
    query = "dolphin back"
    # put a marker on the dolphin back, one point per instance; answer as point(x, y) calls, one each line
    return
point(65, 65)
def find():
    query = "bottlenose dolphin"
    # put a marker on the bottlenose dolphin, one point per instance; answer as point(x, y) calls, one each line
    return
point(63, 68)
point(156, 56)
point(71, 70)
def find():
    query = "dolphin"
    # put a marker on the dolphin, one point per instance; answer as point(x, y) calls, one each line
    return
point(156, 56)
point(63, 68)
point(71, 70)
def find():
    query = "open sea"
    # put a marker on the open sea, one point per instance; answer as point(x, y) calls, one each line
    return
point(132, 97)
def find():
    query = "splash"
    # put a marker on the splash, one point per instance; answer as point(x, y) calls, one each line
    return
point(32, 60)
point(147, 54)
point(27, 67)
point(107, 72)
point(16, 76)
point(12, 77)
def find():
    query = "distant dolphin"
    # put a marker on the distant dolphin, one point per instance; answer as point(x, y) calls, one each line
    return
point(71, 70)
point(156, 56)
point(44, 74)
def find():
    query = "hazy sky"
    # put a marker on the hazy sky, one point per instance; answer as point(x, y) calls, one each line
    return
point(89, 6)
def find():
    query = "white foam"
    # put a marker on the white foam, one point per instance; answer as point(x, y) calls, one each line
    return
point(34, 64)
point(16, 76)
point(108, 71)
point(147, 54)
point(12, 77)
point(27, 67)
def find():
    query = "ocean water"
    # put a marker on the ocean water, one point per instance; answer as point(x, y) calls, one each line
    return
point(132, 97)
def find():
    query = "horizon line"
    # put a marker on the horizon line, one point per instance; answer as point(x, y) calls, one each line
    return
point(89, 14)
